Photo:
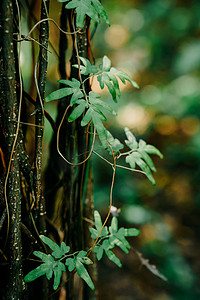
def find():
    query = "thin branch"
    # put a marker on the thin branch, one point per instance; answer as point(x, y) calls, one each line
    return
point(58, 134)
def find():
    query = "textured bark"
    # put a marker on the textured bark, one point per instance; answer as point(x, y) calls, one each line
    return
point(14, 285)
point(39, 208)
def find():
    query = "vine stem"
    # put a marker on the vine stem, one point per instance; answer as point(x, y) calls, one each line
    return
point(58, 149)
point(118, 166)
point(44, 20)
point(110, 204)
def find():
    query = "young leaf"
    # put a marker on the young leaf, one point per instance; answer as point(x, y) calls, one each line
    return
point(86, 68)
point(59, 267)
point(77, 111)
point(91, 8)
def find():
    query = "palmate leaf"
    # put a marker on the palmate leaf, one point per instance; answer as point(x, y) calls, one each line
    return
point(91, 8)
point(98, 225)
point(58, 251)
point(78, 263)
point(136, 158)
point(140, 155)
point(73, 89)
point(108, 78)
point(114, 237)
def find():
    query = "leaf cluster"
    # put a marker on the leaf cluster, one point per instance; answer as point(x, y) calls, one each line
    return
point(110, 237)
point(139, 155)
point(60, 258)
point(51, 266)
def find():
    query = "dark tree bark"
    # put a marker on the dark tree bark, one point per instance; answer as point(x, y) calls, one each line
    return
point(22, 200)
point(11, 244)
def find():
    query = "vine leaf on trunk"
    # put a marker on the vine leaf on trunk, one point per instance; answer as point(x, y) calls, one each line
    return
point(91, 8)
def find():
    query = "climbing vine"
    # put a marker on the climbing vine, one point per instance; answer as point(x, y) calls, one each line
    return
point(88, 107)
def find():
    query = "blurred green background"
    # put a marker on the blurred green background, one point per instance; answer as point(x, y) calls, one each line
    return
point(157, 43)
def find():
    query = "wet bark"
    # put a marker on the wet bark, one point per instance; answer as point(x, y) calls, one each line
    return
point(13, 285)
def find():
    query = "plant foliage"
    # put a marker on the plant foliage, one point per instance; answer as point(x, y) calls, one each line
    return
point(109, 237)
point(91, 8)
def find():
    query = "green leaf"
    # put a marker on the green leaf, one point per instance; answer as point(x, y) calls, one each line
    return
point(86, 68)
point(108, 78)
point(149, 148)
point(91, 8)
point(114, 225)
point(99, 252)
point(131, 142)
point(82, 257)
point(87, 117)
point(104, 79)
point(59, 267)
point(43, 256)
point(114, 143)
point(147, 159)
point(101, 11)
point(113, 258)
point(136, 158)
point(77, 111)
point(102, 133)
point(131, 232)
point(61, 93)
point(99, 224)
point(73, 89)
point(121, 236)
point(115, 241)
point(65, 249)
point(106, 64)
point(123, 77)
point(57, 252)
point(70, 263)
point(97, 220)
point(83, 273)
point(39, 271)
point(49, 273)
point(101, 104)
